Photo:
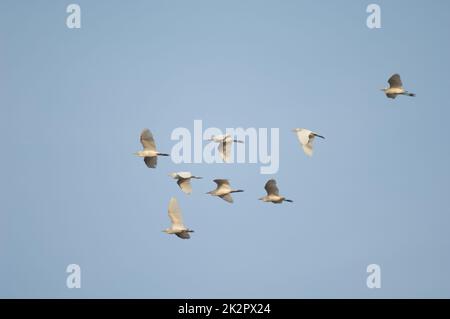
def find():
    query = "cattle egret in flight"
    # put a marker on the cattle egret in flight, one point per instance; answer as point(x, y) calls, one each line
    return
point(225, 142)
point(177, 227)
point(395, 88)
point(224, 190)
point(184, 180)
point(150, 154)
point(306, 138)
point(273, 193)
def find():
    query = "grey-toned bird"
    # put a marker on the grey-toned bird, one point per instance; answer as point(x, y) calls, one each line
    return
point(306, 138)
point(224, 190)
point(395, 88)
point(273, 194)
point(184, 180)
point(150, 154)
point(177, 227)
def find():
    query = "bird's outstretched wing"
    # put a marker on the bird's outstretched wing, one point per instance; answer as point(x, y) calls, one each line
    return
point(395, 81)
point(391, 96)
point(304, 136)
point(185, 185)
point(147, 140)
point(175, 213)
point(218, 138)
point(222, 183)
point(183, 235)
point(227, 198)
point(271, 187)
point(184, 174)
point(151, 161)
point(225, 150)
point(308, 149)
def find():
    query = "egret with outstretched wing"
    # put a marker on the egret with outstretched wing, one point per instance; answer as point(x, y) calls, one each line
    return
point(273, 193)
point(395, 88)
point(306, 138)
point(177, 227)
point(149, 153)
point(224, 190)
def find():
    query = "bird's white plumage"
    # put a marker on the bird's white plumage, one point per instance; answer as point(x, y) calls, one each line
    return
point(222, 184)
point(225, 145)
point(177, 228)
point(184, 174)
point(149, 153)
point(224, 190)
point(185, 185)
point(306, 139)
point(308, 149)
point(396, 87)
point(273, 194)
point(175, 214)
point(184, 180)
point(147, 140)
point(225, 150)
point(219, 138)
point(304, 136)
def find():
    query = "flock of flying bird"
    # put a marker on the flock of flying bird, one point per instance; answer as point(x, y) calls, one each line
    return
point(223, 188)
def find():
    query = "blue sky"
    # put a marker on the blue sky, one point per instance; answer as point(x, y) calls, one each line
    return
point(73, 103)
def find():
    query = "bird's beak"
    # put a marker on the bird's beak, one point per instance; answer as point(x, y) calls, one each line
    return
point(319, 136)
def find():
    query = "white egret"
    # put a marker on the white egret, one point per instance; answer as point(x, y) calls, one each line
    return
point(177, 227)
point(225, 142)
point(273, 193)
point(306, 138)
point(395, 88)
point(184, 180)
point(150, 154)
point(224, 190)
